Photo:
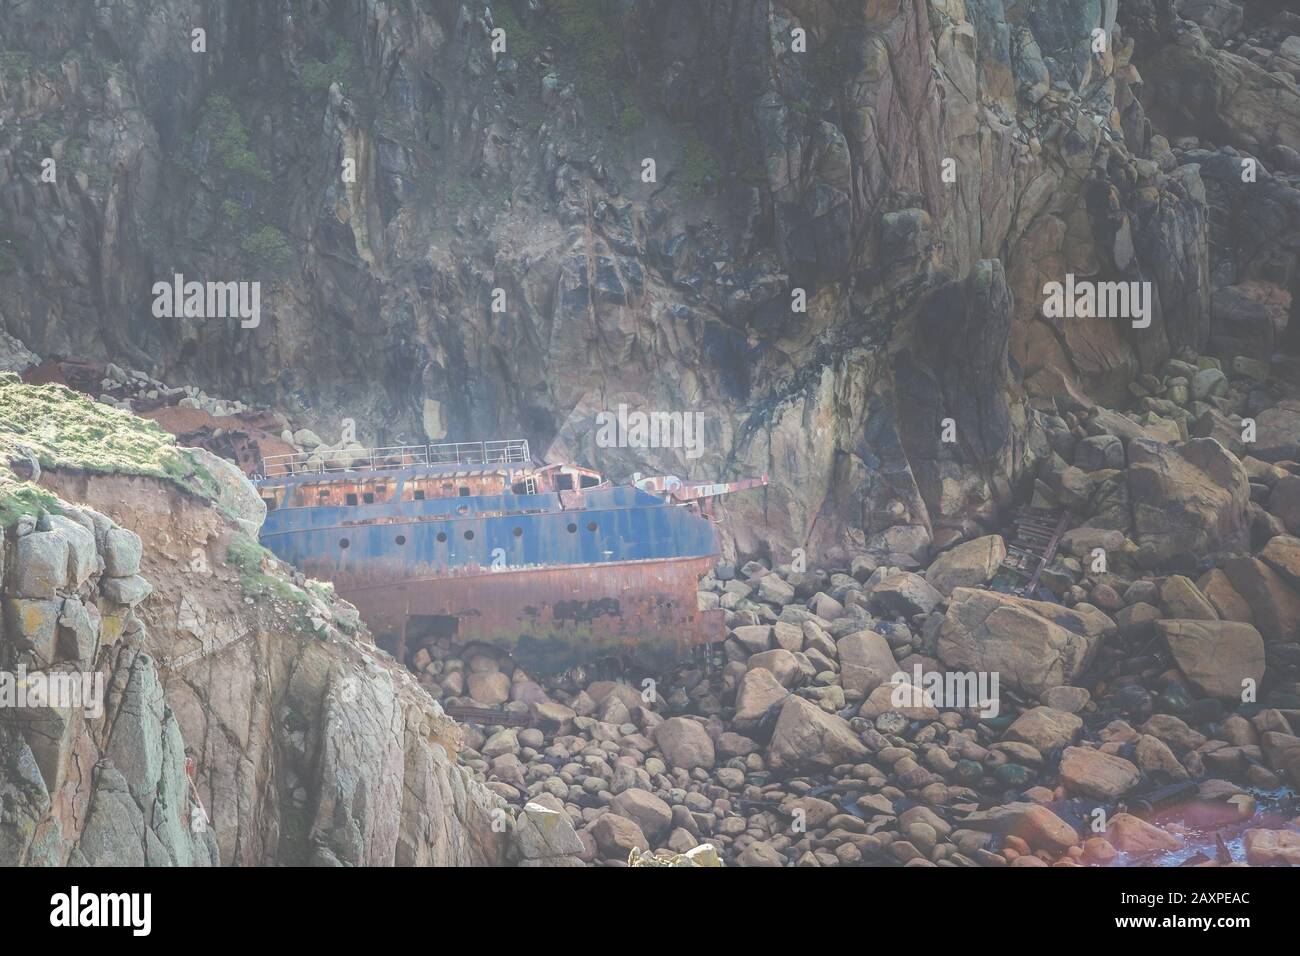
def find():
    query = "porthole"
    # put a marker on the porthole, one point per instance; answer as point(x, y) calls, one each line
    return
point(442, 536)
point(401, 539)
point(591, 526)
point(344, 542)
point(572, 527)
point(519, 532)
point(463, 510)
point(469, 535)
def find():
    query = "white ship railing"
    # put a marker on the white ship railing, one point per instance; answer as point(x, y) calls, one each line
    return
point(511, 451)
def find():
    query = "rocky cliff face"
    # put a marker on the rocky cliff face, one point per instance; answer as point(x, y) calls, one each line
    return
point(919, 169)
point(305, 744)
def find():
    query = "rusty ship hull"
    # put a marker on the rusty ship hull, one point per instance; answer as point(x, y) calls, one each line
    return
point(551, 563)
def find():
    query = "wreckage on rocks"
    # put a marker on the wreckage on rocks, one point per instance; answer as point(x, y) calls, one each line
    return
point(474, 540)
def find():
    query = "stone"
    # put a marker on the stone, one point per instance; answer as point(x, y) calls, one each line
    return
point(1187, 501)
point(617, 836)
point(129, 591)
point(1033, 645)
point(774, 590)
point(1130, 834)
point(542, 833)
point(906, 594)
point(1044, 728)
point(1284, 502)
point(866, 661)
point(1272, 847)
point(1274, 606)
point(1066, 698)
point(489, 687)
point(1037, 825)
point(1277, 432)
point(685, 743)
point(1098, 452)
point(1282, 554)
point(1228, 604)
point(781, 664)
point(40, 565)
point(1097, 774)
point(32, 625)
point(81, 548)
point(122, 550)
point(651, 814)
point(807, 736)
point(969, 564)
point(1183, 599)
point(754, 637)
point(757, 694)
point(1215, 656)
point(760, 854)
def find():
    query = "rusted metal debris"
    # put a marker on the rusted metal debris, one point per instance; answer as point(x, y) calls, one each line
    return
point(550, 562)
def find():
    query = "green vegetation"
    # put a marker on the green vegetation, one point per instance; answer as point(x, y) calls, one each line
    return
point(597, 48)
point(15, 64)
point(316, 75)
point(231, 210)
point(65, 429)
point(630, 119)
point(230, 139)
point(268, 245)
point(520, 42)
point(699, 168)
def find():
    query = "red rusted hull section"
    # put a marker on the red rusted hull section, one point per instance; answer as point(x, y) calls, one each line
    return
point(550, 618)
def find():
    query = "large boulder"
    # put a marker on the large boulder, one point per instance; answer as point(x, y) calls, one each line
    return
point(758, 693)
point(1274, 606)
point(1044, 728)
point(545, 837)
point(685, 743)
point(807, 736)
point(1032, 645)
point(1093, 773)
point(234, 493)
point(970, 564)
point(651, 814)
point(866, 661)
point(1188, 501)
point(1216, 656)
point(905, 594)
point(1277, 432)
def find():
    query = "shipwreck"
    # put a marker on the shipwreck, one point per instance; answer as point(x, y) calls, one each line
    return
point(478, 542)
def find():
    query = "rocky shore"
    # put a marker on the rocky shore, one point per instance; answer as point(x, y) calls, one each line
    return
point(1163, 648)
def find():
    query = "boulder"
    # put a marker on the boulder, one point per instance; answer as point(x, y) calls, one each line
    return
point(1044, 728)
point(782, 664)
point(969, 564)
point(651, 814)
point(1032, 645)
point(1183, 599)
point(546, 835)
point(906, 594)
point(866, 661)
point(757, 693)
point(617, 836)
point(1187, 501)
point(489, 687)
point(1093, 773)
point(807, 736)
point(1035, 824)
point(1282, 554)
point(1277, 432)
point(1272, 847)
point(1130, 834)
point(1274, 606)
point(685, 743)
point(122, 551)
point(1215, 656)
point(40, 565)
